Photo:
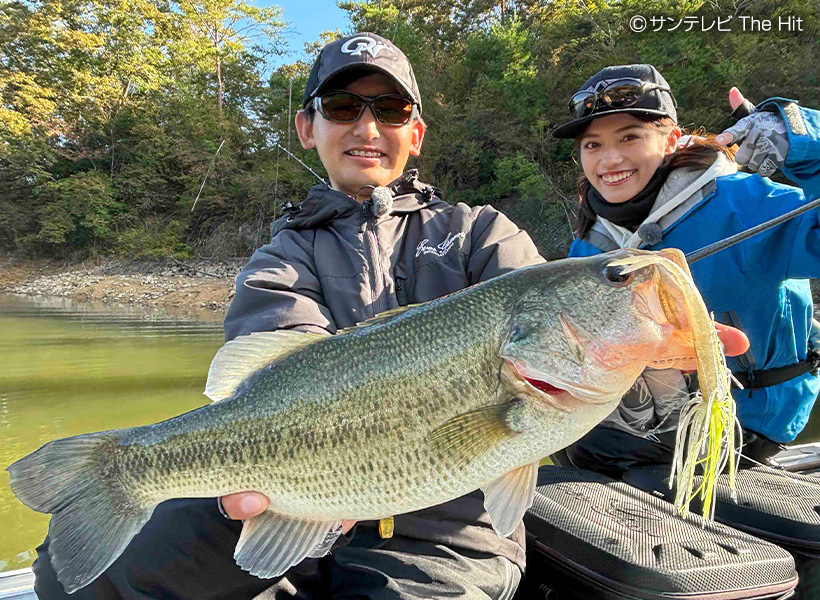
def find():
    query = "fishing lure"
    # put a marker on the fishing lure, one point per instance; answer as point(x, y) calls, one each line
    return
point(709, 429)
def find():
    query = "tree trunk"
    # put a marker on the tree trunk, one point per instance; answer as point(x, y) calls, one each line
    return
point(219, 84)
point(218, 74)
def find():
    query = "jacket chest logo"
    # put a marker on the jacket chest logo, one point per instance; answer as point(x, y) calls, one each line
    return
point(440, 250)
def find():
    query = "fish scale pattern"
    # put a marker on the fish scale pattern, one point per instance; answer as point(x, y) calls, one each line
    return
point(339, 428)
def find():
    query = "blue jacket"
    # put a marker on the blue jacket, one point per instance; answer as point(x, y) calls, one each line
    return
point(759, 285)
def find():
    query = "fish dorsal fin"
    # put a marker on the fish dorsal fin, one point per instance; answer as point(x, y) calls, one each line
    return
point(242, 356)
point(470, 434)
point(382, 317)
point(270, 543)
point(507, 498)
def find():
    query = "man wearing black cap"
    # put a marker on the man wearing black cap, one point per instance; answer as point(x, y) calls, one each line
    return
point(374, 239)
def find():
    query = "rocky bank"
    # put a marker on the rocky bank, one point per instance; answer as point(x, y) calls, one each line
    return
point(170, 284)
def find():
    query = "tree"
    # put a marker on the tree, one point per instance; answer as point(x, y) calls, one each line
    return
point(229, 28)
point(129, 100)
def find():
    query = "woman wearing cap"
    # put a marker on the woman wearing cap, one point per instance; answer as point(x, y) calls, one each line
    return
point(644, 186)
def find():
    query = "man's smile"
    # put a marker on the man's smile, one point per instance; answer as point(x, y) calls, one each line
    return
point(366, 153)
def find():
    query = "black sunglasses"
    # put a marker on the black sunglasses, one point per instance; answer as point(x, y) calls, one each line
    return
point(346, 107)
point(620, 93)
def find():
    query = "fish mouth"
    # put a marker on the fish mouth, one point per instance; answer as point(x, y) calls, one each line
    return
point(542, 386)
point(562, 394)
point(566, 390)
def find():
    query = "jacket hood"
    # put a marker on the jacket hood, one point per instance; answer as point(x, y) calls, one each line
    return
point(324, 204)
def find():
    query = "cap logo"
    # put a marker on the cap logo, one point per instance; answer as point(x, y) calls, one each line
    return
point(363, 44)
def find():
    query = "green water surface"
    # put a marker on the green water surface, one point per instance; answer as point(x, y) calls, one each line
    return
point(68, 368)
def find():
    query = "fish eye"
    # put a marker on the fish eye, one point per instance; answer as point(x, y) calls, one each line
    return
point(615, 276)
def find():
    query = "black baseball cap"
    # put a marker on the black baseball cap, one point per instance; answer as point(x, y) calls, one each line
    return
point(361, 51)
point(655, 102)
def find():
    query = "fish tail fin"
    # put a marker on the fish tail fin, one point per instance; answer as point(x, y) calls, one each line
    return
point(93, 520)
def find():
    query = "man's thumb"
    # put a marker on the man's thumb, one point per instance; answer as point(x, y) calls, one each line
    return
point(735, 98)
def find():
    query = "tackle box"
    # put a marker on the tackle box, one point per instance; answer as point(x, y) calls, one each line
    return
point(590, 536)
point(772, 504)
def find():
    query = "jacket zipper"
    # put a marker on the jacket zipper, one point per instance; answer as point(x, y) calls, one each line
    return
point(401, 293)
point(375, 272)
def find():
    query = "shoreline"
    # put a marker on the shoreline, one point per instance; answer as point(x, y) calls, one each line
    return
point(169, 284)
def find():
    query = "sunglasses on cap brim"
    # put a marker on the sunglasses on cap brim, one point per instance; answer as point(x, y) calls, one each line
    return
point(620, 93)
point(346, 107)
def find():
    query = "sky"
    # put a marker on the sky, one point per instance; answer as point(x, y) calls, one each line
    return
point(308, 18)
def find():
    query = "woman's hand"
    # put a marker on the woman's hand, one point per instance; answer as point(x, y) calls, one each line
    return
point(763, 139)
point(736, 99)
point(245, 505)
point(734, 340)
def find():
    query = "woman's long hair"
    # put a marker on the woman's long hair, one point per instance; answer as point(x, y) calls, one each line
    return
point(700, 152)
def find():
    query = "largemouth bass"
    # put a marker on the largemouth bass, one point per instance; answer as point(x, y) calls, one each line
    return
point(409, 410)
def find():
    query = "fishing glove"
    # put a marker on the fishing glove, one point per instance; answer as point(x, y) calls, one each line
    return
point(763, 140)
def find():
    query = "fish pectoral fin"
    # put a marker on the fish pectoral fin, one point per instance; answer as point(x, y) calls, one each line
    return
point(270, 543)
point(242, 356)
point(326, 543)
point(470, 434)
point(507, 498)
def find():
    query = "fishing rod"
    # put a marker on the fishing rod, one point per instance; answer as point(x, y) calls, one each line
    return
point(211, 166)
point(296, 158)
point(696, 255)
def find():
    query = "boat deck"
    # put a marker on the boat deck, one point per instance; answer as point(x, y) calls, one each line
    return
point(17, 584)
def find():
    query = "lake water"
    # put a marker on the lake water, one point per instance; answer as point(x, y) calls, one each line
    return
point(69, 368)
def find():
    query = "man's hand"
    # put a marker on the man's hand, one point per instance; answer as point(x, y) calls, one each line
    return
point(734, 340)
point(245, 505)
point(763, 139)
